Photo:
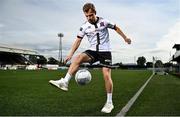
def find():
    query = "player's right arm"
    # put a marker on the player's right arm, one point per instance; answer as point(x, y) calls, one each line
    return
point(73, 49)
point(76, 44)
point(120, 32)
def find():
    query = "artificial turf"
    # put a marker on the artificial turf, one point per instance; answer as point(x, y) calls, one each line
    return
point(161, 97)
point(24, 93)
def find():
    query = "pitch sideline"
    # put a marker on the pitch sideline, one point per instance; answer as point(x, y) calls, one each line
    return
point(126, 108)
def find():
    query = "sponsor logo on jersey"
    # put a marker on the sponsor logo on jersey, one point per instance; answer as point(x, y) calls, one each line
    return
point(81, 29)
point(101, 24)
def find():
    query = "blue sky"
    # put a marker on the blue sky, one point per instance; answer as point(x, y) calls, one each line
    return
point(153, 26)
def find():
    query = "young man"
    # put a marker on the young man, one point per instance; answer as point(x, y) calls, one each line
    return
point(96, 30)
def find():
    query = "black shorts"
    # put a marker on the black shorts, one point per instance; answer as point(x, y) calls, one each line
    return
point(104, 58)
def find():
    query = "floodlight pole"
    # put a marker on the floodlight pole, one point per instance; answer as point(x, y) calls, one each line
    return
point(60, 35)
point(154, 60)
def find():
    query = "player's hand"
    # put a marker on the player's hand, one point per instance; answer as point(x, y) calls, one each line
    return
point(68, 58)
point(128, 40)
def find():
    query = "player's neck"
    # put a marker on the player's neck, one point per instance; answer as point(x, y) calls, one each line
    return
point(96, 20)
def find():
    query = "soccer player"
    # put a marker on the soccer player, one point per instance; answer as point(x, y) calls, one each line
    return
point(96, 30)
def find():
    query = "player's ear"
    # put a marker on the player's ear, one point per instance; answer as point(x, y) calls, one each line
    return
point(95, 12)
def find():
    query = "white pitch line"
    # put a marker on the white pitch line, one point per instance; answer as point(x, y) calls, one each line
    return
point(126, 108)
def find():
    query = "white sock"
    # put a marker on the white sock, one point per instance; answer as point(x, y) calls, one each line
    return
point(67, 78)
point(109, 98)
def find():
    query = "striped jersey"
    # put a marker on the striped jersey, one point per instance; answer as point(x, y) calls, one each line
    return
point(97, 34)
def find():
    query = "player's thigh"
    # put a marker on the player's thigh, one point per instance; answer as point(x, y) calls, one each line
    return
point(106, 72)
point(82, 58)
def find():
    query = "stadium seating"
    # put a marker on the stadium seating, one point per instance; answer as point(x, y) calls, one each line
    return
point(13, 59)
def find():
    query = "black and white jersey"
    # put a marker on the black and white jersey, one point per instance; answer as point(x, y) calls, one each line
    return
point(97, 34)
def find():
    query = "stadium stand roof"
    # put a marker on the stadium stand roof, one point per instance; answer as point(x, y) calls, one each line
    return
point(177, 54)
point(177, 46)
point(12, 49)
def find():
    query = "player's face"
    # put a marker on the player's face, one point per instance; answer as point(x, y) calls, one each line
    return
point(91, 16)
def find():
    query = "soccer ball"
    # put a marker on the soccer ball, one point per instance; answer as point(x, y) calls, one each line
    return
point(83, 77)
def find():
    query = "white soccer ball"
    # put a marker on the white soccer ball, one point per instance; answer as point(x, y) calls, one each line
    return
point(83, 77)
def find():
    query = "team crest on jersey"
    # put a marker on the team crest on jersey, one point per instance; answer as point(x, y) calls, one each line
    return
point(101, 24)
point(81, 29)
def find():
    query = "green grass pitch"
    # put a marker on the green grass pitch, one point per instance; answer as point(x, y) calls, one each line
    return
point(161, 97)
point(29, 93)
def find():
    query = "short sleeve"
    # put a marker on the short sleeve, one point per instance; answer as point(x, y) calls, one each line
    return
point(81, 32)
point(110, 24)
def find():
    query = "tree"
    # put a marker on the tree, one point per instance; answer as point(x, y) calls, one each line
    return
point(149, 64)
point(159, 63)
point(141, 61)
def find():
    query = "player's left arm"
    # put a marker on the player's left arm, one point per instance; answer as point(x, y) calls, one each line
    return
point(120, 32)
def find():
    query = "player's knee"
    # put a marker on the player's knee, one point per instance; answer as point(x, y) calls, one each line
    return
point(77, 59)
point(106, 73)
point(107, 76)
